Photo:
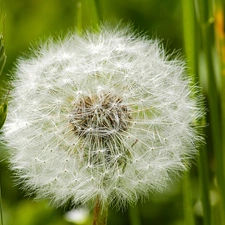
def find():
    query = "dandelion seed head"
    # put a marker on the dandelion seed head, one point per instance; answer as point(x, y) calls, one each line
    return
point(99, 116)
point(104, 115)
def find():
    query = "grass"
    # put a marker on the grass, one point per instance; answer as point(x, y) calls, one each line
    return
point(199, 25)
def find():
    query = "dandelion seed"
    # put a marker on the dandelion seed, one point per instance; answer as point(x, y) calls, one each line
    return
point(101, 116)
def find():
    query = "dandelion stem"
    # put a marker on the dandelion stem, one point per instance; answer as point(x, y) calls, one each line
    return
point(100, 214)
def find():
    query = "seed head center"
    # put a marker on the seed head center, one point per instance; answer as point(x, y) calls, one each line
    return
point(100, 116)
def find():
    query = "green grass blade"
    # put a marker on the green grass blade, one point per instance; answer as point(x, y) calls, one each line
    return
point(3, 106)
point(2, 54)
point(98, 9)
point(191, 44)
point(188, 203)
point(3, 112)
point(79, 24)
point(134, 216)
point(204, 185)
point(205, 16)
point(1, 213)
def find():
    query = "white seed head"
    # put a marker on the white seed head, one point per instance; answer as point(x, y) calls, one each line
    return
point(103, 115)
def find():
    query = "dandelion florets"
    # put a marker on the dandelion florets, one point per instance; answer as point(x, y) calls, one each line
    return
point(104, 115)
point(100, 116)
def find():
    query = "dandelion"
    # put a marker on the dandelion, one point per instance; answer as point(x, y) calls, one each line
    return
point(104, 117)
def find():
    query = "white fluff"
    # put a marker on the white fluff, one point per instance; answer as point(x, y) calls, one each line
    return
point(116, 163)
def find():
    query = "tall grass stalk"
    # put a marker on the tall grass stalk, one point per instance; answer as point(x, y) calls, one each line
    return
point(2, 54)
point(188, 203)
point(219, 15)
point(191, 44)
point(99, 10)
point(3, 107)
point(205, 19)
point(90, 14)
point(78, 19)
point(204, 185)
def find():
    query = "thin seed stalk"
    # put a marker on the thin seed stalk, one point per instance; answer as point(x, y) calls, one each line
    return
point(100, 214)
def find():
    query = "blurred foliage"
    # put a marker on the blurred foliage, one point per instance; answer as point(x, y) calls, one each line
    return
point(28, 21)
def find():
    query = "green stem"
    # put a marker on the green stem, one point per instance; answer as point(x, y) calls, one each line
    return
point(204, 184)
point(100, 214)
point(219, 16)
point(79, 24)
point(189, 35)
point(188, 204)
point(205, 19)
point(90, 13)
point(1, 214)
point(134, 216)
point(2, 54)
point(191, 43)
point(98, 9)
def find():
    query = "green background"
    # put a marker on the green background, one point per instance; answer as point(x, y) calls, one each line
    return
point(25, 22)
